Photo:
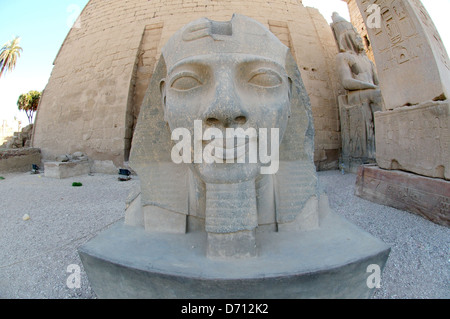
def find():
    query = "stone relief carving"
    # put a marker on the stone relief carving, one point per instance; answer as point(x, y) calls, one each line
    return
point(413, 65)
point(432, 32)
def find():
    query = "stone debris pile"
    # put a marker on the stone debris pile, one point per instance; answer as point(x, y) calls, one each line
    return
point(20, 139)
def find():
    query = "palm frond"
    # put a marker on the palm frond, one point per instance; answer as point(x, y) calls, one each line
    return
point(9, 54)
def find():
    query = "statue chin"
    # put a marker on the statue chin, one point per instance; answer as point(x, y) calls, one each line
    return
point(226, 173)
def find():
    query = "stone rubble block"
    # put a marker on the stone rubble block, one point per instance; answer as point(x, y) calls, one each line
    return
point(415, 139)
point(68, 165)
point(424, 196)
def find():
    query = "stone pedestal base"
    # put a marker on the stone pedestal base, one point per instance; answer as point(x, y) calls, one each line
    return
point(428, 197)
point(415, 139)
point(330, 262)
point(66, 169)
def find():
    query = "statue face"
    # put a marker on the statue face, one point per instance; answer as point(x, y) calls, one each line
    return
point(227, 90)
point(352, 41)
point(359, 44)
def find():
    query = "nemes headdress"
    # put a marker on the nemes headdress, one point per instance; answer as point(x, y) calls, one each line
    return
point(239, 35)
point(344, 33)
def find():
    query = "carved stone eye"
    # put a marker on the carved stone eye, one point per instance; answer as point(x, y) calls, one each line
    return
point(265, 78)
point(185, 83)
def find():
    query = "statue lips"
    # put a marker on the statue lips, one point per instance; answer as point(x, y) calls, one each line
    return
point(237, 151)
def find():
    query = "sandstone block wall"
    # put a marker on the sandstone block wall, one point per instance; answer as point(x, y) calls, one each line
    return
point(19, 159)
point(102, 70)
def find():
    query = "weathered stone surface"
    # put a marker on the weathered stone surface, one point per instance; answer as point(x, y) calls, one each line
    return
point(226, 194)
point(330, 262)
point(157, 219)
point(226, 224)
point(236, 245)
point(63, 158)
point(354, 138)
point(358, 22)
point(93, 98)
point(103, 167)
point(415, 139)
point(413, 65)
point(428, 197)
point(20, 139)
point(363, 98)
point(66, 169)
point(19, 160)
point(133, 211)
point(78, 155)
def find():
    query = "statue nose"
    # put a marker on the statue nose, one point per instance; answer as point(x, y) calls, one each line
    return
point(225, 121)
point(226, 109)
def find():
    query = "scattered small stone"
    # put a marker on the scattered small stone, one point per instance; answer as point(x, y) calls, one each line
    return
point(26, 217)
point(62, 158)
point(78, 154)
point(75, 157)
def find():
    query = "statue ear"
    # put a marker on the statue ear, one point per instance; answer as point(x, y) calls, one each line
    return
point(290, 94)
point(162, 89)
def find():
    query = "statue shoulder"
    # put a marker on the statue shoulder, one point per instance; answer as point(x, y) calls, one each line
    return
point(345, 57)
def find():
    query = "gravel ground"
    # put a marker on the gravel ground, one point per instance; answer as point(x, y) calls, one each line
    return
point(35, 254)
point(418, 266)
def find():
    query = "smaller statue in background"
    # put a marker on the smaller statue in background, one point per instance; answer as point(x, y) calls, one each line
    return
point(359, 78)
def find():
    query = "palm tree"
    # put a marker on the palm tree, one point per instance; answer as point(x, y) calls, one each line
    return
point(29, 103)
point(9, 54)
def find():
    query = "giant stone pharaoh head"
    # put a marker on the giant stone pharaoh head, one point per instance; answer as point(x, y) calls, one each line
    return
point(228, 229)
point(215, 74)
point(219, 76)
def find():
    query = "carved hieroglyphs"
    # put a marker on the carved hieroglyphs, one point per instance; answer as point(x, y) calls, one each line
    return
point(414, 72)
point(415, 139)
point(425, 196)
point(413, 65)
point(412, 135)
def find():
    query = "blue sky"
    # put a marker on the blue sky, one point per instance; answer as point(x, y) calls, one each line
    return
point(43, 25)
